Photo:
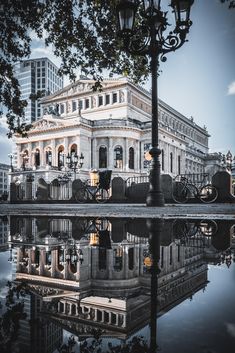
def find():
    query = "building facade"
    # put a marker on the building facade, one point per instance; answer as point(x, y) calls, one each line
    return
point(4, 170)
point(37, 75)
point(112, 129)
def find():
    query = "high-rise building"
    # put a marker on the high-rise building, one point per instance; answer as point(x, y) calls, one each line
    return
point(4, 169)
point(37, 75)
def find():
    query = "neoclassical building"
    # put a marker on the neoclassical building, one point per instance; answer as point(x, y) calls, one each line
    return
point(112, 130)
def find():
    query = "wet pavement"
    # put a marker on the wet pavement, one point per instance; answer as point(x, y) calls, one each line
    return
point(117, 284)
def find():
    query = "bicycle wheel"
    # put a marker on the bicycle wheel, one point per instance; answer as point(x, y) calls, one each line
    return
point(81, 194)
point(208, 227)
point(180, 192)
point(102, 195)
point(208, 194)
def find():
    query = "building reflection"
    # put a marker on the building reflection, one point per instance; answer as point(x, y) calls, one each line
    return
point(85, 274)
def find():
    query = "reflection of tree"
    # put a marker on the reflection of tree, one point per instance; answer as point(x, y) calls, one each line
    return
point(136, 345)
point(10, 320)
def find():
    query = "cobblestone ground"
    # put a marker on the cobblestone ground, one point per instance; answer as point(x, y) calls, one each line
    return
point(212, 211)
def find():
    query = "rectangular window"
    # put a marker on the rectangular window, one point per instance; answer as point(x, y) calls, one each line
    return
point(100, 100)
point(74, 106)
point(107, 99)
point(61, 108)
point(87, 103)
point(114, 97)
point(43, 63)
point(80, 103)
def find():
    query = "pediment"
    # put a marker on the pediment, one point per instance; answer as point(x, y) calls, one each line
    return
point(82, 86)
point(47, 123)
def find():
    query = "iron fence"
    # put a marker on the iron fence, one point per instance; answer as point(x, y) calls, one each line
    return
point(137, 180)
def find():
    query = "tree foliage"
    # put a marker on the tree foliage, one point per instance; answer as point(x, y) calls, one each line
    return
point(83, 34)
point(12, 314)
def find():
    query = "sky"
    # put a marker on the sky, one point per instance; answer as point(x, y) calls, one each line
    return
point(198, 80)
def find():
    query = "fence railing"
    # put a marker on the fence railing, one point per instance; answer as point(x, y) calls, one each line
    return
point(137, 180)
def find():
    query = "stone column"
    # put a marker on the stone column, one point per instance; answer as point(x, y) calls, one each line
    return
point(110, 153)
point(54, 155)
point(110, 317)
point(95, 155)
point(95, 317)
point(125, 261)
point(126, 154)
point(30, 154)
point(66, 147)
point(124, 320)
point(42, 156)
point(110, 263)
point(54, 255)
point(18, 150)
point(136, 156)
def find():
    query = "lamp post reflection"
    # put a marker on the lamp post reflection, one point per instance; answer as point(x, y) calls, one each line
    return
point(155, 227)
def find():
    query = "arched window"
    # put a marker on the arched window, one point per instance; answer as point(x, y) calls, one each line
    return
point(171, 162)
point(131, 158)
point(179, 165)
point(118, 157)
point(117, 259)
point(25, 158)
point(163, 160)
point(73, 149)
point(103, 157)
point(60, 156)
point(48, 157)
point(37, 158)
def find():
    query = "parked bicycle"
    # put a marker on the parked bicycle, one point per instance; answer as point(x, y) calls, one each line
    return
point(98, 192)
point(184, 189)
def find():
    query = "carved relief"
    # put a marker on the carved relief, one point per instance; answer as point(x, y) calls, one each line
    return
point(93, 102)
point(122, 97)
point(45, 124)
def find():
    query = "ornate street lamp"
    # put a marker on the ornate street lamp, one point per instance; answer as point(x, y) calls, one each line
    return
point(74, 162)
point(147, 38)
point(73, 255)
point(229, 161)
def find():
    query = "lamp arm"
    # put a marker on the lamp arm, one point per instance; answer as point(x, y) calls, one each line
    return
point(171, 43)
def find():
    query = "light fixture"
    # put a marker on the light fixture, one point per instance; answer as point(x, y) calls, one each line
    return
point(126, 10)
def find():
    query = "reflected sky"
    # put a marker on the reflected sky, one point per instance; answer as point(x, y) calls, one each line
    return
point(207, 322)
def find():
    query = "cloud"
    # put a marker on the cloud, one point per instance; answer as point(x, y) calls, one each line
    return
point(231, 88)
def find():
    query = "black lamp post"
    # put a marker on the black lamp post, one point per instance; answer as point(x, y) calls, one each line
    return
point(73, 163)
point(147, 39)
point(10, 155)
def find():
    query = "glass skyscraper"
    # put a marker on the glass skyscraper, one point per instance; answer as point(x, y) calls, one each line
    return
point(37, 75)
